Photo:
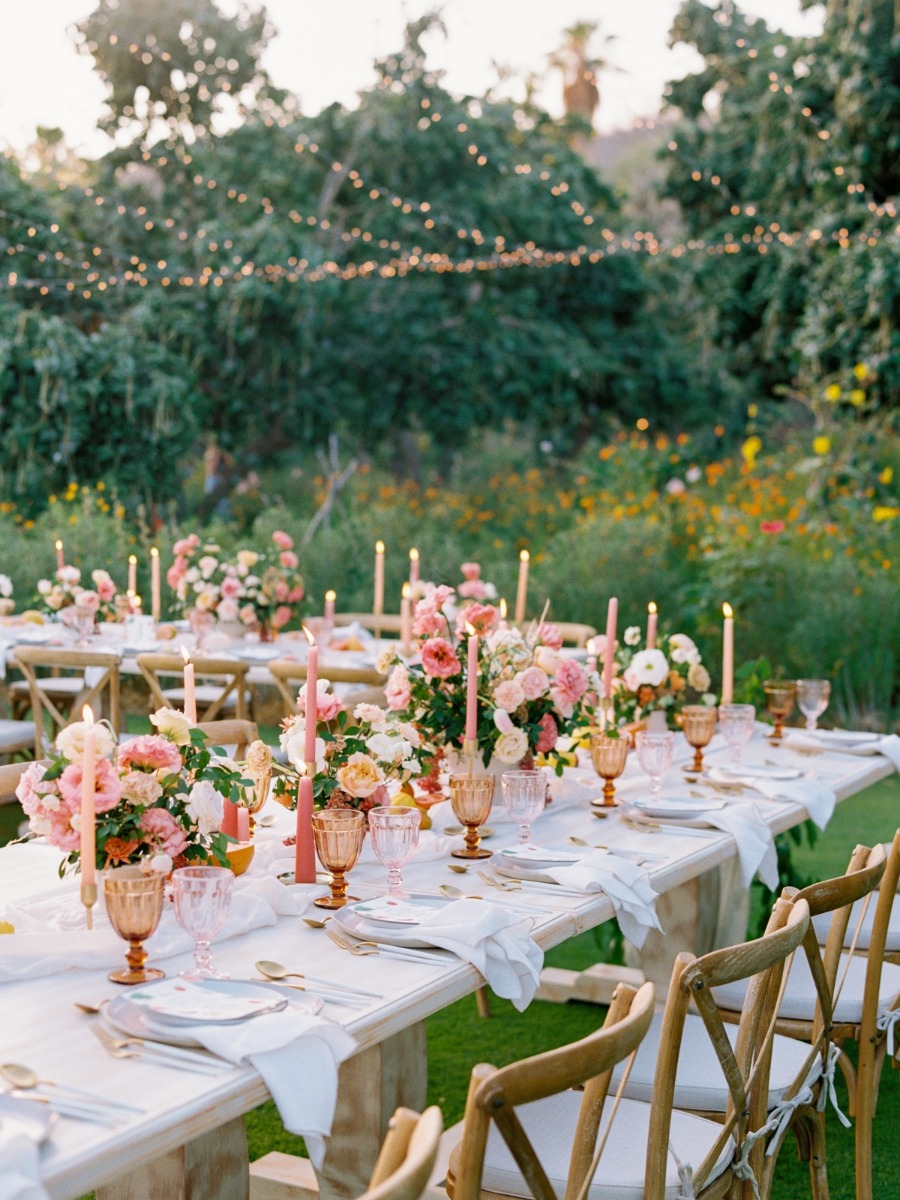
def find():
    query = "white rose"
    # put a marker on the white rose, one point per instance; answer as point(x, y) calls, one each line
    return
point(293, 743)
point(192, 575)
point(408, 730)
point(632, 636)
point(647, 667)
point(70, 741)
point(384, 662)
point(69, 575)
point(388, 748)
point(205, 806)
point(44, 587)
point(159, 864)
point(511, 747)
point(172, 724)
point(371, 714)
point(546, 659)
point(141, 787)
point(207, 565)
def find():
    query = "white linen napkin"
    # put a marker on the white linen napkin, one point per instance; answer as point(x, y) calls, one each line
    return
point(297, 1054)
point(818, 739)
point(498, 943)
point(627, 885)
point(20, 1173)
point(817, 798)
point(753, 837)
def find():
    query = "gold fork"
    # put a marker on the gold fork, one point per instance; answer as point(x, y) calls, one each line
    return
point(506, 885)
point(184, 1060)
point(359, 948)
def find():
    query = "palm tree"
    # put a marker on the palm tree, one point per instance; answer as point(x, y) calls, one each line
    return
point(580, 70)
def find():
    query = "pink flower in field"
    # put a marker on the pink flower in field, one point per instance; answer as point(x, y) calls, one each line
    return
point(482, 617)
point(281, 616)
point(533, 682)
point(31, 788)
point(107, 786)
point(289, 560)
point(163, 832)
point(295, 595)
point(150, 752)
point(439, 659)
point(771, 526)
point(231, 587)
point(283, 540)
point(397, 689)
point(328, 705)
point(549, 734)
point(548, 635)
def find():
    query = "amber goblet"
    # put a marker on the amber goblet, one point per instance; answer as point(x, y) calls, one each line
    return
point(698, 723)
point(471, 797)
point(609, 755)
point(780, 697)
point(338, 834)
point(134, 902)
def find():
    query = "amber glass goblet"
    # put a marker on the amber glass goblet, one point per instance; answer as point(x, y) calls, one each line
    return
point(780, 697)
point(338, 834)
point(471, 797)
point(609, 755)
point(134, 902)
point(698, 723)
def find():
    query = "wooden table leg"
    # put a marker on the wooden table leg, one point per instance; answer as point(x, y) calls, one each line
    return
point(213, 1166)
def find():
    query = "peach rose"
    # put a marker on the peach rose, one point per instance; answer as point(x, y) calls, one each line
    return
point(360, 775)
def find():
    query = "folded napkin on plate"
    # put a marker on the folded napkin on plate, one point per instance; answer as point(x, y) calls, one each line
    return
point(817, 798)
point(627, 885)
point(20, 1173)
point(297, 1055)
point(498, 943)
point(803, 739)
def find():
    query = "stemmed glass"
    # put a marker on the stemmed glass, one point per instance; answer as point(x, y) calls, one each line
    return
point(395, 836)
point(524, 797)
point(812, 699)
point(780, 697)
point(134, 902)
point(471, 797)
point(202, 899)
point(698, 726)
point(338, 834)
point(202, 622)
point(609, 755)
point(84, 624)
point(736, 722)
point(654, 752)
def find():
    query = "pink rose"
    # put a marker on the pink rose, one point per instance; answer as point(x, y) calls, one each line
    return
point(482, 617)
point(106, 589)
point(176, 572)
point(248, 614)
point(397, 690)
point(328, 705)
point(439, 659)
point(150, 752)
point(533, 682)
point(184, 547)
point(548, 635)
point(473, 589)
point(227, 610)
point(508, 695)
point(61, 834)
point(88, 599)
point(295, 595)
point(471, 570)
point(107, 786)
point(231, 587)
point(282, 540)
point(31, 789)
point(289, 559)
point(281, 616)
point(163, 832)
point(570, 679)
point(548, 736)
point(429, 621)
point(281, 591)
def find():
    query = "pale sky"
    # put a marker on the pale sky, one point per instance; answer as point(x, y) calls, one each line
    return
point(325, 49)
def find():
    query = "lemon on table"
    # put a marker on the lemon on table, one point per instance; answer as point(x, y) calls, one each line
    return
point(32, 616)
point(5, 927)
point(406, 800)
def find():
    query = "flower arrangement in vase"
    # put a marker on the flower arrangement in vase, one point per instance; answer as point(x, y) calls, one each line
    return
point(658, 680)
point(65, 591)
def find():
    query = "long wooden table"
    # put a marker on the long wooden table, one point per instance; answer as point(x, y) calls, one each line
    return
point(41, 1026)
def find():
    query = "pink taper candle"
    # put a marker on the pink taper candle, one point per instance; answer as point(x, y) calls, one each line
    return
point(609, 649)
point(304, 850)
point(243, 823)
point(190, 695)
point(472, 687)
point(155, 604)
point(406, 620)
point(651, 626)
point(60, 560)
point(230, 819)
point(727, 654)
point(330, 597)
point(522, 589)
point(413, 567)
point(378, 599)
point(312, 684)
point(132, 573)
point(88, 818)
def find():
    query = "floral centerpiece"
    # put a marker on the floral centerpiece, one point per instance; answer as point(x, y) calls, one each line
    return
point(65, 590)
point(261, 589)
point(7, 604)
point(158, 797)
point(360, 763)
point(657, 680)
point(528, 694)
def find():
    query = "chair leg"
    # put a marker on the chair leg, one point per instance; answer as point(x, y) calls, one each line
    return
point(850, 1078)
point(482, 1001)
point(868, 1073)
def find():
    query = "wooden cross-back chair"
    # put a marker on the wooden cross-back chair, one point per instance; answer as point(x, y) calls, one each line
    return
point(16, 737)
point(220, 688)
point(379, 624)
point(647, 1148)
point(101, 694)
point(234, 735)
point(289, 676)
point(407, 1155)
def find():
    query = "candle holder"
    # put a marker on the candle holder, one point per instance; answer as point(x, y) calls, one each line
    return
point(338, 834)
point(780, 697)
point(88, 899)
point(698, 723)
point(134, 901)
point(471, 797)
point(609, 755)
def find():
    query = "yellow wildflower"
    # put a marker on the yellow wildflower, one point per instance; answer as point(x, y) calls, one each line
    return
point(861, 371)
point(857, 397)
point(833, 393)
point(752, 410)
point(885, 512)
point(821, 444)
point(887, 475)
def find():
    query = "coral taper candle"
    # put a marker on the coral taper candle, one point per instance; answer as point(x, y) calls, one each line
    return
point(727, 654)
point(330, 597)
point(230, 819)
point(132, 573)
point(60, 560)
point(304, 850)
point(522, 589)
point(609, 647)
point(190, 694)
point(472, 686)
point(378, 598)
point(87, 829)
point(312, 684)
point(155, 604)
point(243, 823)
point(406, 620)
point(651, 626)
point(413, 567)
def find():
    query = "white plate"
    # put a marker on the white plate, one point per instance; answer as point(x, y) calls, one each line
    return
point(391, 910)
point(355, 923)
point(839, 737)
point(677, 807)
point(758, 771)
point(541, 856)
point(203, 1002)
point(34, 1119)
point(126, 1016)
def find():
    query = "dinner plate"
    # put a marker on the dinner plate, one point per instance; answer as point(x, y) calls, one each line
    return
point(360, 926)
point(33, 1119)
point(530, 855)
point(203, 1002)
point(841, 737)
point(391, 910)
point(677, 807)
point(758, 771)
point(133, 1019)
point(529, 874)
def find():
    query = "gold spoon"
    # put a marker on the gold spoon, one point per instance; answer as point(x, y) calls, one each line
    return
point(453, 893)
point(24, 1078)
point(314, 922)
point(577, 841)
point(274, 970)
point(457, 868)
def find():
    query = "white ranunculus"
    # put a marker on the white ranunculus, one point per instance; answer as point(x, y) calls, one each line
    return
point(546, 659)
point(683, 649)
point(511, 747)
point(387, 748)
point(647, 667)
point(293, 743)
point(632, 635)
point(70, 741)
point(172, 724)
point(205, 806)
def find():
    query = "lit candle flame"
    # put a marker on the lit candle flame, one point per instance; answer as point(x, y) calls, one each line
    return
point(651, 607)
point(87, 715)
point(413, 555)
point(379, 547)
point(154, 553)
point(502, 609)
point(330, 596)
point(132, 559)
point(727, 610)
point(309, 636)
point(471, 630)
point(524, 556)
point(58, 544)
point(406, 591)
point(185, 655)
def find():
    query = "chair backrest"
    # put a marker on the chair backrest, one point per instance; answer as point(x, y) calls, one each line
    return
point(746, 1064)
point(10, 774)
point(228, 674)
point(289, 675)
point(379, 623)
point(494, 1094)
point(47, 716)
point(407, 1155)
point(235, 735)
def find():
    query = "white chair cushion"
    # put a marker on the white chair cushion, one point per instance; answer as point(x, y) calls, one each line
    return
point(699, 1081)
point(799, 1002)
point(550, 1126)
point(822, 922)
point(205, 693)
point(65, 685)
point(15, 735)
